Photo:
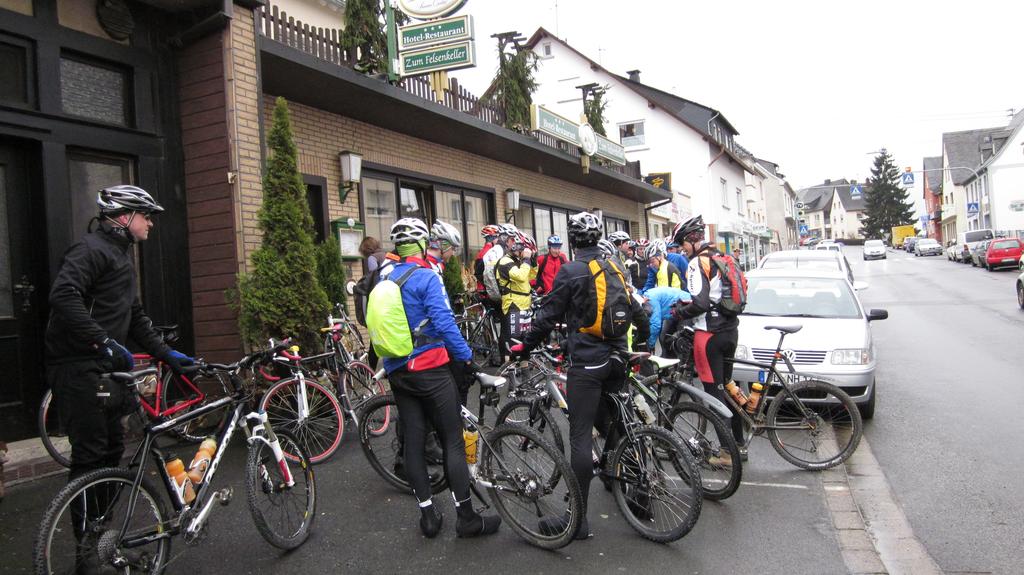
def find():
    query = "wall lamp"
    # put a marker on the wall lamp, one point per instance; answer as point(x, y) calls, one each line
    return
point(351, 172)
point(511, 203)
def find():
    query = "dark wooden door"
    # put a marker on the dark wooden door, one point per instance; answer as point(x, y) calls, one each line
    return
point(22, 295)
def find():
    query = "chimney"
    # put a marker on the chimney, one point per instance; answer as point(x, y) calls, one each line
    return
point(634, 76)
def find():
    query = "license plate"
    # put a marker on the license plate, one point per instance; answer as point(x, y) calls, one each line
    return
point(1007, 260)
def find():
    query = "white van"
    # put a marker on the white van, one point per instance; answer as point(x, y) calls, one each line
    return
point(967, 240)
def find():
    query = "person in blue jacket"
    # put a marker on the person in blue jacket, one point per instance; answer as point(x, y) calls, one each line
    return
point(679, 259)
point(661, 299)
point(424, 383)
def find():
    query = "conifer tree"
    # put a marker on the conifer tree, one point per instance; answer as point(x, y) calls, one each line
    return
point(514, 84)
point(282, 297)
point(594, 107)
point(885, 200)
point(365, 30)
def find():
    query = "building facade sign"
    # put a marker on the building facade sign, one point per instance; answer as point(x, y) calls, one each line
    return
point(424, 34)
point(428, 9)
point(446, 57)
point(610, 151)
point(661, 180)
point(544, 120)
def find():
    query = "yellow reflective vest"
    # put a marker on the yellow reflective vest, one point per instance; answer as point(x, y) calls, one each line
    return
point(668, 275)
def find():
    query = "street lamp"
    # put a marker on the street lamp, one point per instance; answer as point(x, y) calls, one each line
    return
point(351, 171)
point(511, 203)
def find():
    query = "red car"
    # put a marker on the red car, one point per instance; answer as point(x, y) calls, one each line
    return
point(1003, 252)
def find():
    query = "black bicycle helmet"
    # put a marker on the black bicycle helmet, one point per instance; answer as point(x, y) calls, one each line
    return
point(584, 230)
point(126, 198)
point(690, 230)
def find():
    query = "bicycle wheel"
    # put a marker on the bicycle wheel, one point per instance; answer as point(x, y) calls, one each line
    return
point(358, 382)
point(479, 337)
point(52, 432)
point(321, 430)
point(713, 447)
point(517, 464)
point(283, 515)
point(80, 528)
point(381, 440)
point(535, 415)
point(814, 425)
point(657, 486)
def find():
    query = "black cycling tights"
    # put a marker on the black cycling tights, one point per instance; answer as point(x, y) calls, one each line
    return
point(424, 396)
point(720, 347)
point(584, 385)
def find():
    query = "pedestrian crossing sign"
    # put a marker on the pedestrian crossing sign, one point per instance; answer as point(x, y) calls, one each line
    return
point(908, 178)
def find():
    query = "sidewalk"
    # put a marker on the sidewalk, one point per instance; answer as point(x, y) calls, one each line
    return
point(28, 460)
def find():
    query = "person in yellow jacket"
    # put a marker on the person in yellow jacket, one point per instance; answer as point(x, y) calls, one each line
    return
point(666, 274)
point(513, 274)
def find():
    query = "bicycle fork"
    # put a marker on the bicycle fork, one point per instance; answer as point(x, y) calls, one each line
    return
point(262, 431)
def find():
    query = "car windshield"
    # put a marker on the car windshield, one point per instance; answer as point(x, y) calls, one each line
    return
point(927, 242)
point(801, 297)
point(977, 236)
point(1006, 245)
point(873, 244)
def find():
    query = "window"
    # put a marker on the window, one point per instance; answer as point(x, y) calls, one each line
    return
point(93, 90)
point(739, 201)
point(631, 134)
point(317, 206)
point(725, 193)
point(657, 230)
point(379, 207)
point(91, 171)
point(541, 221)
point(615, 225)
point(17, 84)
point(547, 50)
point(19, 6)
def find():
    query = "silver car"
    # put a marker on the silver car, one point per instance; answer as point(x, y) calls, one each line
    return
point(874, 249)
point(827, 260)
point(928, 247)
point(835, 342)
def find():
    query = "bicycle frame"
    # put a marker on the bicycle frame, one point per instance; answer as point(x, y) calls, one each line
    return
point(155, 411)
point(260, 431)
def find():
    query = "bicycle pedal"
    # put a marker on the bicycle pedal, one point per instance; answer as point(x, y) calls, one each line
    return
point(225, 495)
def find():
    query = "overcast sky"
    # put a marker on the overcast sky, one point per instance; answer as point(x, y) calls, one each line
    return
point(812, 86)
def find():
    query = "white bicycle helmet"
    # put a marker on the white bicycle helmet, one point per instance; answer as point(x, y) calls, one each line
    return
point(409, 230)
point(607, 248)
point(656, 248)
point(618, 237)
point(584, 229)
point(126, 198)
point(445, 232)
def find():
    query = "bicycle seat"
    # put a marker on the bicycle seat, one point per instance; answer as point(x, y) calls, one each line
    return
point(663, 362)
point(489, 381)
point(636, 357)
point(785, 328)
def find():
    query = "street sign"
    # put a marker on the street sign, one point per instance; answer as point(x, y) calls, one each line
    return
point(908, 178)
point(804, 230)
point(799, 205)
point(445, 57)
point(424, 34)
point(544, 120)
point(973, 207)
point(856, 190)
point(661, 180)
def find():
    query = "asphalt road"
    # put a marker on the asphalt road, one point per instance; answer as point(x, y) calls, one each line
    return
point(777, 523)
point(948, 427)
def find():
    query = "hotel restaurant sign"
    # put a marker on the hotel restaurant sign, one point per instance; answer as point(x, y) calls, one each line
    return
point(544, 120)
point(430, 9)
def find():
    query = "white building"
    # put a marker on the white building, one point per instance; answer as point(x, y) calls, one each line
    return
point(779, 206)
point(667, 134)
point(999, 187)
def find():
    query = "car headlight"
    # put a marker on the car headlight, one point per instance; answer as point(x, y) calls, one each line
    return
point(742, 352)
point(851, 357)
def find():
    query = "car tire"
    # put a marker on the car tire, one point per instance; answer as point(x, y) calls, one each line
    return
point(1020, 294)
point(990, 268)
point(867, 410)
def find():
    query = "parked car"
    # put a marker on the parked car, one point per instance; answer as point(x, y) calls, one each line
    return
point(969, 240)
point(908, 244)
point(830, 247)
point(1002, 252)
point(1020, 286)
point(826, 260)
point(953, 252)
point(978, 253)
point(835, 342)
point(874, 249)
point(927, 247)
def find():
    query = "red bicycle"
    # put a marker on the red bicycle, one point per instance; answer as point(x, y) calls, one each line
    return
point(162, 396)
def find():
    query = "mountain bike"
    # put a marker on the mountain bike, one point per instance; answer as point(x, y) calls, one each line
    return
point(527, 479)
point(481, 328)
point(345, 356)
point(811, 423)
point(651, 471)
point(115, 518)
point(161, 395)
point(697, 422)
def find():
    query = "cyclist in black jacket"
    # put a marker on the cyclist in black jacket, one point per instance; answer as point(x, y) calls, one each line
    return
point(594, 364)
point(94, 309)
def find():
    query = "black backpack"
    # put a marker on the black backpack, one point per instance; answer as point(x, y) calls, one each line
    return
point(608, 311)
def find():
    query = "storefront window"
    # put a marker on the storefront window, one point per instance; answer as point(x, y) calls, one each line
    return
point(615, 225)
point(379, 207)
point(95, 91)
point(413, 201)
point(541, 223)
point(560, 226)
point(477, 216)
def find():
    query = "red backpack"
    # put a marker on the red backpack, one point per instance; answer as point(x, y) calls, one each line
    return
point(734, 284)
